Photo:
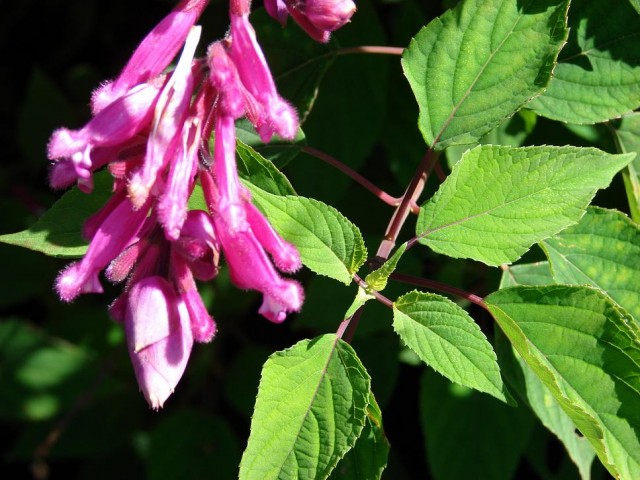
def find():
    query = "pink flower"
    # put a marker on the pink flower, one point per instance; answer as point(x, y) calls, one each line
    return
point(277, 115)
point(158, 336)
point(114, 234)
point(115, 125)
point(316, 17)
point(154, 53)
point(169, 118)
point(245, 236)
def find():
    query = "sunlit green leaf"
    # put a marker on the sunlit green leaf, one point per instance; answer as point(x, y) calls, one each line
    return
point(598, 73)
point(480, 62)
point(602, 250)
point(328, 243)
point(586, 351)
point(310, 410)
point(447, 339)
point(368, 458)
point(58, 232)
point(498, 201)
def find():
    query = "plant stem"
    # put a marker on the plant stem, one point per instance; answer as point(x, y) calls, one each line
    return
point(441, 287)
point(409, 198)
point(379, 193)
point(371, 49)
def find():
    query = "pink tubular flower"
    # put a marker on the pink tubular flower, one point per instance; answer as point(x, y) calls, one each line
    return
point(170, 115)
point(154, 53)
point(277, 115)
point(114, 125)
point(159, 337)
point(244, 248)
point(151, 130)
point(316, 17)
point(111, 238)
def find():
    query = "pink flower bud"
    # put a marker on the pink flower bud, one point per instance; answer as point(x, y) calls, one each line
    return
point(159, 337)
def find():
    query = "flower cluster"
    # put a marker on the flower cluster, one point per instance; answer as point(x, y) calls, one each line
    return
point(150, 129)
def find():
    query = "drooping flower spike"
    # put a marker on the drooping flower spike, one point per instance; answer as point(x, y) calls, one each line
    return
point(151, 129)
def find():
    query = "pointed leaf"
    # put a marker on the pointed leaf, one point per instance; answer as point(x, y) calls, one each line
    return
point(309, 412)
point(261, 172)
point(529, 387)
point(498, 201)
point(602, 250)
point(479, 63)
point(627, 136)
point(58, 232)
point(328, 243)
point(377, 279)
point(447, 339)
point(586, 350)
point(598, 73)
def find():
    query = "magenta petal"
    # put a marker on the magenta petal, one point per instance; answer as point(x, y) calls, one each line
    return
point(284, 254)
point(114, 234)
point(284, 298)
point(202, 325)
point(155, 52)
point(170, 115)
point(159, 338)
point(256, 77)
point(277, 9)
point(172, 207)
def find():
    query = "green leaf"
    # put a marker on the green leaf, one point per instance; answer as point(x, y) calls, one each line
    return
point(586, 350)
point(377, 280)
point(498, 201)
point(469, 435)
point(262, 173)
point(598, 73)
point(477, 64)
point(553, 417)
point(529, 387)
point(328, 243)
point(368, 458)
point(537, 273)
point(635, 4)
point(58, 232)
point(310, 410)
point(602, 250)
point(447, 339)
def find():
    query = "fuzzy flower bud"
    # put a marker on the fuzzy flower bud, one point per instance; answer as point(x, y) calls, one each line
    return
point(158, 336)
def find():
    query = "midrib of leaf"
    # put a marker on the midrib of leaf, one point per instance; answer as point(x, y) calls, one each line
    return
point(479, 214)
point(475, 80)
point(313, 397)
point(598, 47)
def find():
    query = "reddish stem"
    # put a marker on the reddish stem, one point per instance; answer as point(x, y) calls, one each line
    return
point(371, 49)
point(441, 287)
point(408, 201)
point(379, 193)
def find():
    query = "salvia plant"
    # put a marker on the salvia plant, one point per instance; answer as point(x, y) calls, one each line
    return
point(491, 274)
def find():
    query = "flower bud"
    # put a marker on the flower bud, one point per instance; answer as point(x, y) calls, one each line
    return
point(158, 336)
